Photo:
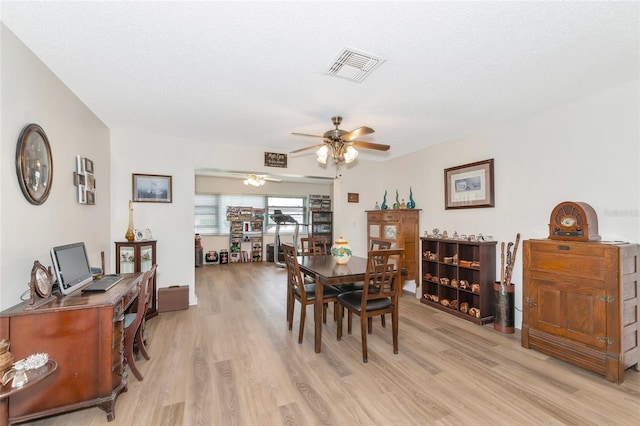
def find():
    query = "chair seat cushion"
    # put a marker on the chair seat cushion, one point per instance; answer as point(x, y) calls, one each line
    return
point(128, 319)
point(343, 288)
point(353, 301)
point(310, 289)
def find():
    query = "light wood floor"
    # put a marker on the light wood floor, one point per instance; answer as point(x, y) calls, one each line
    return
point(232, 361)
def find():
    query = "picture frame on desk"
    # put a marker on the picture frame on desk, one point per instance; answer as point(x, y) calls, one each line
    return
point(151, 188)
point(469, 186)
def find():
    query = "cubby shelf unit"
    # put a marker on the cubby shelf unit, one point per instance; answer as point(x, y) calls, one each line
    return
point(473, 262)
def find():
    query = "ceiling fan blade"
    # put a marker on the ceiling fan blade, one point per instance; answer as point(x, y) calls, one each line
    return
point(270, 179)
point(308, 135)
point(356, 133)
point(307, 148)
point(370, 145)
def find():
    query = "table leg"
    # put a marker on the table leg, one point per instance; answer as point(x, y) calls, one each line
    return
point(317, 314)
point(4, 411)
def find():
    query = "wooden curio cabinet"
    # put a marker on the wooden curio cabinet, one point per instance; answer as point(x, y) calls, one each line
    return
point(138, 256)
point(580, 303)
point(400, 228)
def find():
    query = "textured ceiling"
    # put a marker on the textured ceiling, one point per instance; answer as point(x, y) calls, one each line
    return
point(253, 72)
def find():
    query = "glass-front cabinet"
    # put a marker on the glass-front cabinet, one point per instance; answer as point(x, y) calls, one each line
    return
point(399, 228)
point(138, 256)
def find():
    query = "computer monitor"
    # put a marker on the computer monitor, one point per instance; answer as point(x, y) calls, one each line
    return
point(71, 267)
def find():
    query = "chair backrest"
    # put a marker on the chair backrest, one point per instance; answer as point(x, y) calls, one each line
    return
point(294, 276)
point(149, 290)
point(383, 278)
point(144, 294)
point(379, 245)
point(312, 246)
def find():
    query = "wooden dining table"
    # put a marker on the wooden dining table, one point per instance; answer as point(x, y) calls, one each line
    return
point(325, 271)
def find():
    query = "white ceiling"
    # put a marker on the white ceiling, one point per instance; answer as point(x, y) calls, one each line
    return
point(253, 72)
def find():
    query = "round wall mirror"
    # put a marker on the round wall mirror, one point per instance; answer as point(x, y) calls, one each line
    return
point(34, 164)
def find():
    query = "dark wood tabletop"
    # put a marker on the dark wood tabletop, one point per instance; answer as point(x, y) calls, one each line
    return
point(328, 272)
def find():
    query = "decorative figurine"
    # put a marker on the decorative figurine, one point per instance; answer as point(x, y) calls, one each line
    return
point(455, 235)
point(396, 205)
point(377, 207)
point(384, 201)
point(411, 204)
point(445, 235)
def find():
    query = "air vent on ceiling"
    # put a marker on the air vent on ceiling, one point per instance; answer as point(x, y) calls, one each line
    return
point(354, 65)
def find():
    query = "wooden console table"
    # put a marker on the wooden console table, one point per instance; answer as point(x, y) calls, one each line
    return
point(84, 333)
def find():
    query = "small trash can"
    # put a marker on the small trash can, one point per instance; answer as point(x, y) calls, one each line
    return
point(504, 319)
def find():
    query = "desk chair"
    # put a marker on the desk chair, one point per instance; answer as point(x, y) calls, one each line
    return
point(303, 293)
point(134, 323)
point(379, 296)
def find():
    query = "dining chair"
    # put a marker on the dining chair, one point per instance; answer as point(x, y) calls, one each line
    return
point(379, 296)
point(375, 245)
point(302, 292)
point(134, 323)
point(312, 246)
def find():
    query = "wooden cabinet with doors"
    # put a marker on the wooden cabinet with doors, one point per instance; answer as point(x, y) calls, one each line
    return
point(580, 303)
point(138, 256)
point(400, 228)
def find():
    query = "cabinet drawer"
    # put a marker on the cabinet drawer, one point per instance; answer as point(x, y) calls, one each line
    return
point(570, 259)
point(383, 216)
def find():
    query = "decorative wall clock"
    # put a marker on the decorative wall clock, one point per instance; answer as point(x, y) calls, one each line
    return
point(575, 221)
point(34, 164)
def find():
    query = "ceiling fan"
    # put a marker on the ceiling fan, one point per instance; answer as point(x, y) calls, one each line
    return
point(340, 143)
point(255, 179)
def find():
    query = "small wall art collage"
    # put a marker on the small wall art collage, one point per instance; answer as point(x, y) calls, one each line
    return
point(84, 179)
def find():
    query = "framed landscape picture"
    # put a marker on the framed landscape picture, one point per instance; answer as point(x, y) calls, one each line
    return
point(469, 186)
point(151, 188)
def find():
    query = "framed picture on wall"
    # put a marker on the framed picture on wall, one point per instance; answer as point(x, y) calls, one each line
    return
point(151, 188)
point(469, 186)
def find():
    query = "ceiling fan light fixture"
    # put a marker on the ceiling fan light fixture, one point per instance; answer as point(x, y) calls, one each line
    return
point(350, 154)
point(322, 154)
point(254, 181)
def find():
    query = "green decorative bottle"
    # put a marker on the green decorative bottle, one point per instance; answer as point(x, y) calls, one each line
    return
point(384, 201)
point(396, 205)
point(411, 204)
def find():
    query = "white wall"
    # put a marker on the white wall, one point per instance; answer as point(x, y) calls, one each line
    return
point(30, 93)
point(588, 150)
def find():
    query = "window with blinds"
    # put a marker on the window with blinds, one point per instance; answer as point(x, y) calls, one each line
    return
point(211, 211)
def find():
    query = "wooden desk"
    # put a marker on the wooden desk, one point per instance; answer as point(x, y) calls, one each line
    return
point(84, 333)
point(326, 271)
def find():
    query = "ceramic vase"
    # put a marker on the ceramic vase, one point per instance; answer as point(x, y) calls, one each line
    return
point(384, 202)
point(341, 251)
